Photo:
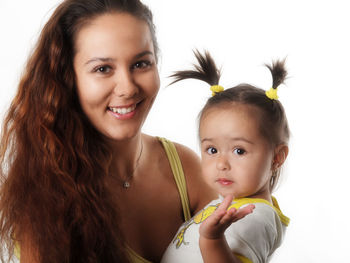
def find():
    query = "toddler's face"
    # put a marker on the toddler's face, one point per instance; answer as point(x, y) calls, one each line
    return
point(236, 158)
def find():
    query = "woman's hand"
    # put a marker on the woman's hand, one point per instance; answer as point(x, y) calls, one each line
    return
point(216, 224)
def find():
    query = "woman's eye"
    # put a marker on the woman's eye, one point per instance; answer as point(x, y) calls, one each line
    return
point(239, 151)
point(141, 64)
point(212, 150)
point(103, 69)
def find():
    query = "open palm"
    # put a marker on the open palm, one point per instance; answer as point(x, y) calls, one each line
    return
point(216, 224)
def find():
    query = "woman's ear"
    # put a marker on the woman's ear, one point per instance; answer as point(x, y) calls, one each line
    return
point(281, 152)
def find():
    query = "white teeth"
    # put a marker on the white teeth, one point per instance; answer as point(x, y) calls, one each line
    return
point(123, 110)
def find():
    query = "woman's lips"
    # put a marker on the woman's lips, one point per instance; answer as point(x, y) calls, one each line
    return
point(224, 181)
point(123, 112)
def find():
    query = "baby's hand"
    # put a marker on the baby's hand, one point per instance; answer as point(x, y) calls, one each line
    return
point(216, 224)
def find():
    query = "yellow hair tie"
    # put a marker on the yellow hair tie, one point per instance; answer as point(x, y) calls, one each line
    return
point(216, 89)
point(272, 94)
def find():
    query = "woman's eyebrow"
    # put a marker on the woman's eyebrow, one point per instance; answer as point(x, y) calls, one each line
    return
point(103, 59)
point(99, 59)
point(146, 52)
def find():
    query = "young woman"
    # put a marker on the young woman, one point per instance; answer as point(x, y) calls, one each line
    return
point(80, 182)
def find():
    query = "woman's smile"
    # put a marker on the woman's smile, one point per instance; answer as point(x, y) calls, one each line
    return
point(124, 112)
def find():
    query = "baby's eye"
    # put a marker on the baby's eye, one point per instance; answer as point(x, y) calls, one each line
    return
point(212, 150)
point(239, 151)
point(142, 64)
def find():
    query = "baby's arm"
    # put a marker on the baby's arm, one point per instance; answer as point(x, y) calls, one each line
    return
point(212, 241)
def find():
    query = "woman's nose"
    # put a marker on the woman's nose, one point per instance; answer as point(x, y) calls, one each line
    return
point(222, 163)
point(125, 85)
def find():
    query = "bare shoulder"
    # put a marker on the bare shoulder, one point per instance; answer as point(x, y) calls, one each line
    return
point(198, 191)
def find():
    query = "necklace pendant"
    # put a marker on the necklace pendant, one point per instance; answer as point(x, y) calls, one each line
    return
point(126, 184)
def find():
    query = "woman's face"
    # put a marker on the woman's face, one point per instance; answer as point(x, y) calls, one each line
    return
point(116, 73)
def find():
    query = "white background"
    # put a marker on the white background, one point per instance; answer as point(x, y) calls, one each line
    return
point(242, 35)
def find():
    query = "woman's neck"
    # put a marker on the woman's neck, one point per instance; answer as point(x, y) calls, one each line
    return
point(127, 155)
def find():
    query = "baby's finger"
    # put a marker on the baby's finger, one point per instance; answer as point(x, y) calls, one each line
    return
point(217, 216)
point(229, 217)
point(226, 202)
point(242, 212)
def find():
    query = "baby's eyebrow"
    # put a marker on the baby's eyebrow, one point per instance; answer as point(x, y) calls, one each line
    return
point(241, 139)
point(206, 140)
point(231, 139)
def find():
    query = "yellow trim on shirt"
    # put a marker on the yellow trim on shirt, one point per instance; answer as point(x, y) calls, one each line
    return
point(243, 259)
point(244, 201)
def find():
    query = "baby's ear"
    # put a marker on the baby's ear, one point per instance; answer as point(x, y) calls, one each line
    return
point(281, 152)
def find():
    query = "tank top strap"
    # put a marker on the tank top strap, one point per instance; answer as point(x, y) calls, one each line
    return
point(134, 257)
point(176, 167)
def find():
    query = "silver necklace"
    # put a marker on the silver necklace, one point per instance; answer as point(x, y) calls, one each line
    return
point(126, 183)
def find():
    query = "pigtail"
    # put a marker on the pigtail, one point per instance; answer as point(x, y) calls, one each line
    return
point(206, 70)
point(278, 72)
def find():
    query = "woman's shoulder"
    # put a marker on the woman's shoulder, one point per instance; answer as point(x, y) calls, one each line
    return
point(198, 191)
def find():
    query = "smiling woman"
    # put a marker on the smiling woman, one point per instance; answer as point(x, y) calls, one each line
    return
point(116, 73)
point(72, 145)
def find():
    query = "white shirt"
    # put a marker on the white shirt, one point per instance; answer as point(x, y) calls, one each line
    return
point(254, 237)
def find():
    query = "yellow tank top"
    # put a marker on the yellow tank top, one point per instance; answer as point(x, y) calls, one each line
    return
point(179, 176)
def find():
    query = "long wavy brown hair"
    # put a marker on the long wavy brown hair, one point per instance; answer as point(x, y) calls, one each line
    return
point(53, 163)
